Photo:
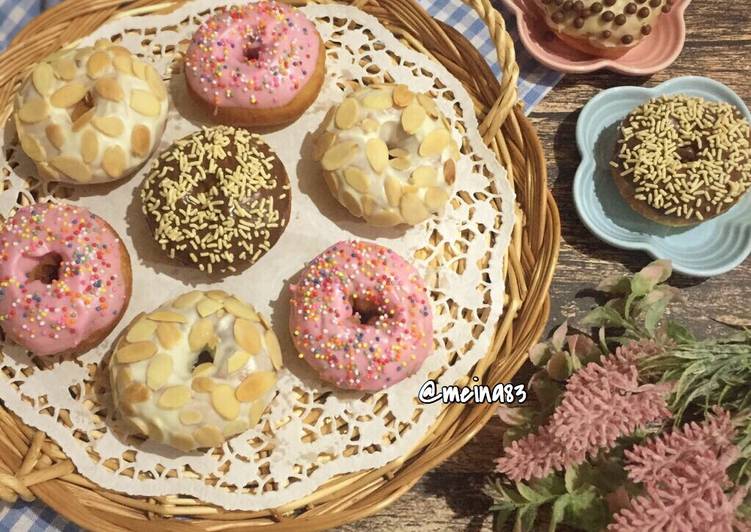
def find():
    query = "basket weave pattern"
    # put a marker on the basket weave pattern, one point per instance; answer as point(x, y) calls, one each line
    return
point(34, 466)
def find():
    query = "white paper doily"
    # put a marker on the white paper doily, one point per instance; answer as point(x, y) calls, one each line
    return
point(311, 432)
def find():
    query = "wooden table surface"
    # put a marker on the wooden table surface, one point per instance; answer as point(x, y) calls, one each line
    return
point(718, 46)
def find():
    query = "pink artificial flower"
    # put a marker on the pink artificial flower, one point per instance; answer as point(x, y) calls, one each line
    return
point(601, 403)
point(685, 480)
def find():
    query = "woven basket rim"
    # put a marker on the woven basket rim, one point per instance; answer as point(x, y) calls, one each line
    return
point(33, 466)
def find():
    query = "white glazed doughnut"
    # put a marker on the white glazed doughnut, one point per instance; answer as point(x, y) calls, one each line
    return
point(91, 115)
point(195, 372)
point(388, 156)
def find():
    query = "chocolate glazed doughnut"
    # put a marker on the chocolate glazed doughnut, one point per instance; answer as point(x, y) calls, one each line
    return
point(217, 200)
point(680, 160)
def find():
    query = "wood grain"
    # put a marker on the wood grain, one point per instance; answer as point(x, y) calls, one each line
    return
point(718, 46)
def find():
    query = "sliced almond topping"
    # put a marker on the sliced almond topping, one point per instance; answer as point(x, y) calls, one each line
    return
point(339, 155)
point(159, 371)
point(403, 96)
point(370, 126)
point(255, 386)
point(412, 118)
point(234, 428)
point(378, 155)
point(111, 126)
point(73, 168)
point(209, 436)
point(114, 161)
point(174, 397)
point(123, 378)
point(136, 352)
point(102, 44)
point(188, 300)
point(357, 179)
point(82, 120)
point(141, 331)
point(136, 393)
point(139, 69)
point(43, 79)
point(413, 210)
point(68, 95)
point(190, 417)
point(201, 334)
point(393, 188)
point(65, 68)
point(428, 104)
point(32, 148)
point(89, 146)
point(34, 110)
point(347, 114)
point(47, 173)
point(217, 295)
point(351, 203)
point(400, 164)
point(368, 205)
point(331, 182)
point(203, 384)
point(378, 100)
point(273, 348)
point(118, 51)
point(169, 334)
point(145, 103)
point(124, 64)
point(96, 65)
point(182, 442)
point(247, 336)
point(435, 143)
point(385, 219)
point(436, 198)
point(424, 176)
point(224, 402)
point(240, 310)
point(55, 135)
point(237, 361)
point(322, 143)
point(109, 89)
point(204, 370)
point(399, 153)
point(140, 141)
point(167, 315)
point(449, 172)
point(156, 84)
point(207, 307)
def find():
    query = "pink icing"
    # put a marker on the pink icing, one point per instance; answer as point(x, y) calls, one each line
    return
point(361, 316)
point(89, 293)
point(259, 55)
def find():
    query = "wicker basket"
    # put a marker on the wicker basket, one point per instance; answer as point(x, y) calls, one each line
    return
point(33, 466)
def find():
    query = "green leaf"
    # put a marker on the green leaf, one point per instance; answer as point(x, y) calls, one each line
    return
point(546, 391)
point(572, 478)
point(604, 317)
point(587, 510)
point(679, 333)
point(525, 518)
point(501, 517)
point(560, 366)
point(530, 494)
point(539, 354)
point(615, 284)
point(559, 512)
point(559, 336)
point(655, 313)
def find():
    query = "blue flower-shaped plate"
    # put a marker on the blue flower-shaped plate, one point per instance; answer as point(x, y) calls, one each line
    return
point(710, 248)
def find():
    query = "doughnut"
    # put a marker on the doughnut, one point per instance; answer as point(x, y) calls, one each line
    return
point(604, 28)
point(361, 317)
point(680, 160)
point(257, 65)
point(387, 155)
point(91, 115)
point(65, 279)
point(217, 200)
point(197, 371)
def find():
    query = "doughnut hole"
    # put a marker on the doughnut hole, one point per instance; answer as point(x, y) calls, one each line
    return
point(47, 269)
point(253, 51)
point(394, 136)
point(368, 312)
point(86, 104)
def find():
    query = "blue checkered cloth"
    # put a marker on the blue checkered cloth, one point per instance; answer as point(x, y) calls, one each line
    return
point(534, 82)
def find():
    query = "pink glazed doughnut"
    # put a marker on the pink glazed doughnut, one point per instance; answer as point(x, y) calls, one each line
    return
point(361, 317)
point(65, 279)
point(257, 65)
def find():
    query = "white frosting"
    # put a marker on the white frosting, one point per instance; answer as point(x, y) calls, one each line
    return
point(372, 202)
point(195, 385)
point(66, 160)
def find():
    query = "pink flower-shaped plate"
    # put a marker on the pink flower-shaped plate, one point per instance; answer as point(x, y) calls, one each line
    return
point(653, 54)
